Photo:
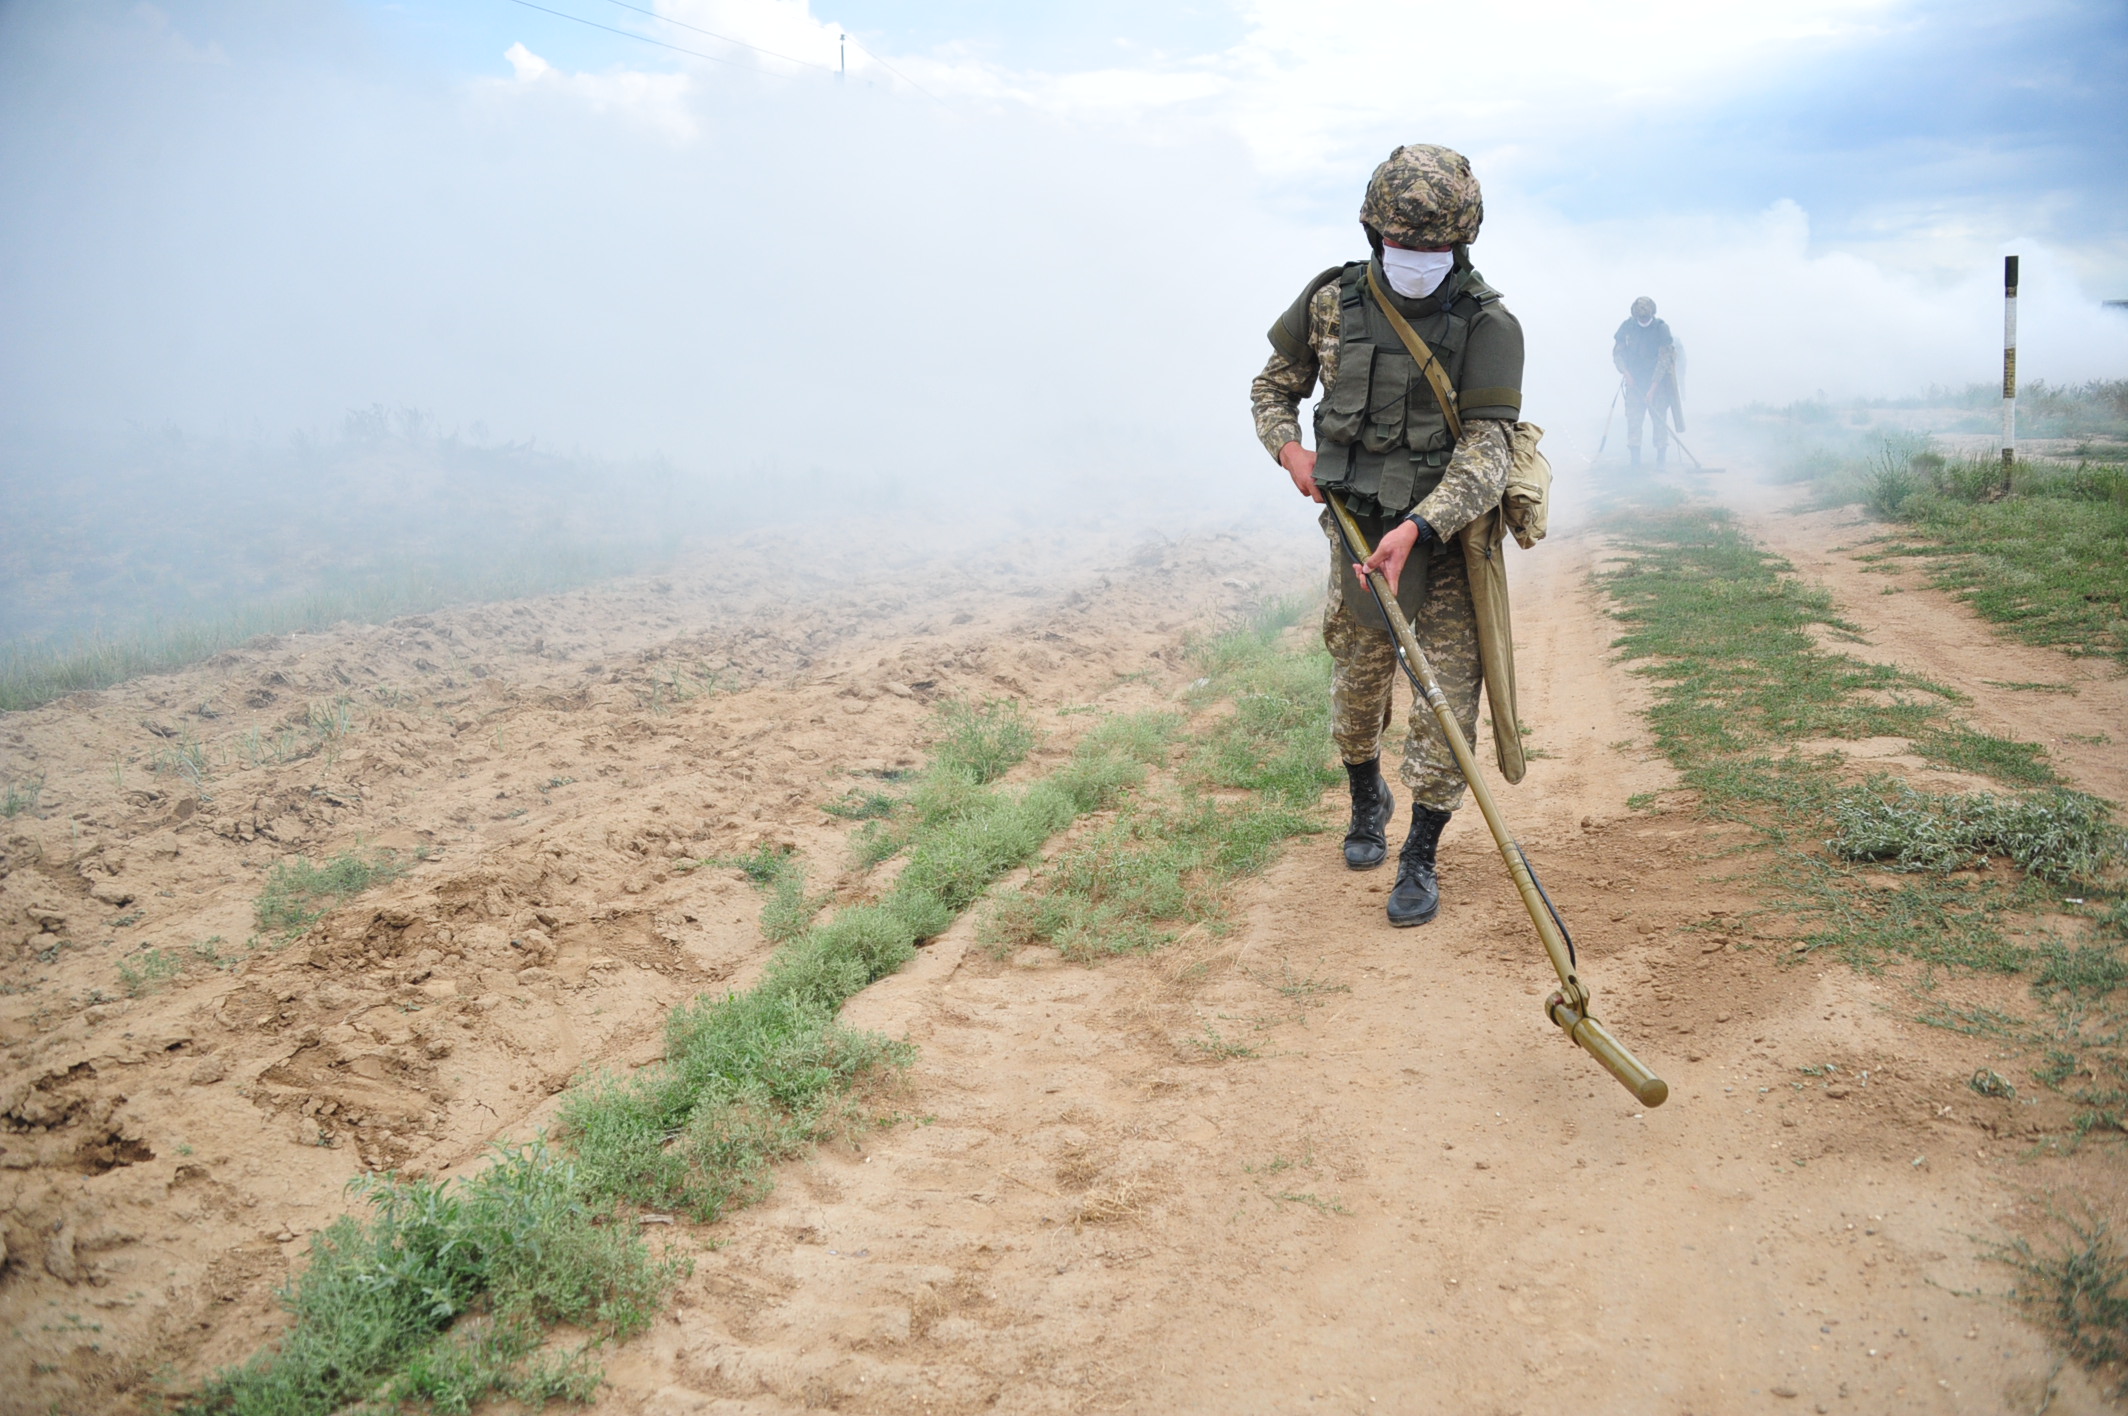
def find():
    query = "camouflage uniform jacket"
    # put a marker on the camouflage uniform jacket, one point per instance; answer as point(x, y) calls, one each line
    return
point(1476, 475)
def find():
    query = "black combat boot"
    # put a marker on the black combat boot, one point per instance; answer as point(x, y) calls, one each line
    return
point(1373, 808)
point(1417, 896)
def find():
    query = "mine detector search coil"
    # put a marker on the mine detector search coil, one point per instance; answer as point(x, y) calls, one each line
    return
point(1569, 1008)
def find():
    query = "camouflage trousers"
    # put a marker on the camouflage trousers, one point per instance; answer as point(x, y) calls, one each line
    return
point(1365, 672)
point(1656, 410)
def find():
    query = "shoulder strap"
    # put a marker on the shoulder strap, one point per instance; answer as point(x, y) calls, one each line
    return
point(1475, 288)
point(1290, 335)
point(1443, 391)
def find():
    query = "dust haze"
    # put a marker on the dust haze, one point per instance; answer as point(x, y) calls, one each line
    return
point(287, 300)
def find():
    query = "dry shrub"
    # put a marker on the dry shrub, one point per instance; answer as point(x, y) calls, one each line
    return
point(1079, 1164)
point(1120, 1199)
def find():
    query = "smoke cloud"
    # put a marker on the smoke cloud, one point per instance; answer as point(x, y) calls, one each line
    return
point(959, 278)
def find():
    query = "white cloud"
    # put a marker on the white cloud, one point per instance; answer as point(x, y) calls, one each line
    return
point(529, 66)
point(659, 101)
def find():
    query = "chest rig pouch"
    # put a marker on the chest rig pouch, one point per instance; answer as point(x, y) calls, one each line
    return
point(1381, 437)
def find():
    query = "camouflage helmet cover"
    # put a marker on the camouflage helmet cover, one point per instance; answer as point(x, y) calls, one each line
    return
point(1424, 195)
point(1643, 308)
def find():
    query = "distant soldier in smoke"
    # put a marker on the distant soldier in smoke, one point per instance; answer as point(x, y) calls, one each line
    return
point(1383, 442)
point(1646, 358)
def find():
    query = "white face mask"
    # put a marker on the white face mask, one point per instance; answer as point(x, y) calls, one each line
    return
point(1416, 274)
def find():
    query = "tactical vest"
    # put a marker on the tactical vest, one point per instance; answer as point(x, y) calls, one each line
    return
point(1380, 436)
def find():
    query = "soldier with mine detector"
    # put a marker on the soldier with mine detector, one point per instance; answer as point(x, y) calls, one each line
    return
point(1424, 468)
point(1646, 356)
point(1384, 441)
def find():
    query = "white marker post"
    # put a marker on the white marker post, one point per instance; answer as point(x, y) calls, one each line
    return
point(2009, 366)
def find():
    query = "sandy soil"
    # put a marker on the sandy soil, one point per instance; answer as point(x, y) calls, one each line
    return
point(1394, 1187)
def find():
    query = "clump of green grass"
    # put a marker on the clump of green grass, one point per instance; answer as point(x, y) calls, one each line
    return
point(778, 870)
point(1897, 471)
point(444, 1293)
point(681, 684)
point(187, 758)
point(1273, 742)
point(1130, 886)
point(763, 865)
point(148, 971)
point(1166, 864)
point(2005, 759)
point(2081, 971)
point(981, 742)
point(20, 797)
point(862, 805)
point(299, 893)
point(975, 745)
point(1217, 1048)
point(2074, 1285)
point(2062, 836)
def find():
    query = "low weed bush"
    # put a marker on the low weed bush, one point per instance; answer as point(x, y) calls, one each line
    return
point(299, 893)
point(861, 806)
point(981, 743)
point(765, 864)
point(2062, 836)
point(2074, 1284)
point(149, 971)
point(20, 797)
point(443, 1294)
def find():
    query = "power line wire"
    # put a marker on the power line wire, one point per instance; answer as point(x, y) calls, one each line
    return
point(631, 34)
point(899, 74)
point(667, 19)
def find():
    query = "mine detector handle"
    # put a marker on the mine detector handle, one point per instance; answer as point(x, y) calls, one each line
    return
point(1568, 1008)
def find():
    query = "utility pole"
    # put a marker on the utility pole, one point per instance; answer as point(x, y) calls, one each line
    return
point(842, 58)
point(2009, 366)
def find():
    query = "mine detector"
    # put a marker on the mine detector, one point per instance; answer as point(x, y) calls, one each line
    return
point(1569, 1007)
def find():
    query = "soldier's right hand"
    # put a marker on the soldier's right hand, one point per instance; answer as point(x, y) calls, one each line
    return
point(1299, 463)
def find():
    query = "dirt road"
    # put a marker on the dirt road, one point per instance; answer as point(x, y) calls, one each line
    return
point(1318, 1164)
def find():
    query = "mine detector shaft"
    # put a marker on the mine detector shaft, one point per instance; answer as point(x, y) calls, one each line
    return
point(1569, 1007)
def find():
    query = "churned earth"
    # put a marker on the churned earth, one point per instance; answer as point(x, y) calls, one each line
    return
point(1309, 1164)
